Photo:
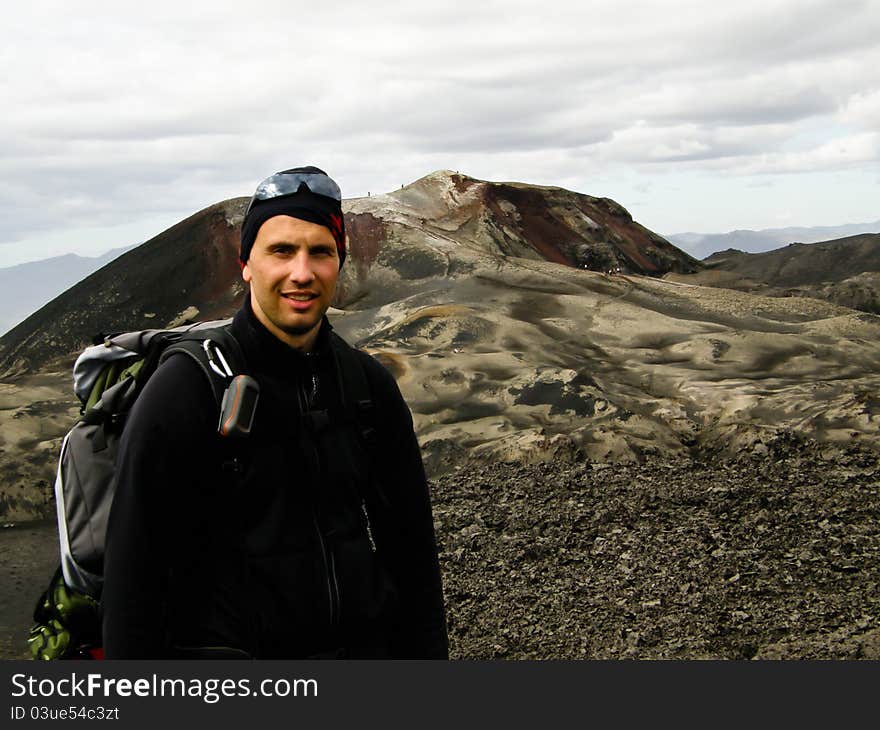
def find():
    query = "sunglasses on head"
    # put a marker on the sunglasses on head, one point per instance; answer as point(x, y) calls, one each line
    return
point(289, 183)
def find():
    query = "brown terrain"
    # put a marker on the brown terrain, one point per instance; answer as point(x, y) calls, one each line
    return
point(845, 271)
point(622, 465)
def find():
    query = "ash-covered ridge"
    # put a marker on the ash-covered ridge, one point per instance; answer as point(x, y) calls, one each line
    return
point(445, 223)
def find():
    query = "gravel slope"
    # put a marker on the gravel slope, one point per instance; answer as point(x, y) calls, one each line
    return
point(768, 556)
point(775, 556)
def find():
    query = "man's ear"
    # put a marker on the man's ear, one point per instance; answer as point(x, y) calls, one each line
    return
point(246, 273)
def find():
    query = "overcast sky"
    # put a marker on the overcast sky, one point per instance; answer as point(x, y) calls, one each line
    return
point(120, 119)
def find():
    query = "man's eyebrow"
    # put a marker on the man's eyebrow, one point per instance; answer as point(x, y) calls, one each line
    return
point(297, 244)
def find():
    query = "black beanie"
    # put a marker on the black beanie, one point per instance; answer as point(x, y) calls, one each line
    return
point(303, 204)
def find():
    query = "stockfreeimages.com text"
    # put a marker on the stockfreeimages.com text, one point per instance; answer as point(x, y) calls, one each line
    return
point(209, 690)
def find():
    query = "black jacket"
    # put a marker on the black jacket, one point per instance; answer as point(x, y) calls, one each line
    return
point(278, 545)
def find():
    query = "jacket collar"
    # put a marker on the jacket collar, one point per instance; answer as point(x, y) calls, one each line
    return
point(264, 352)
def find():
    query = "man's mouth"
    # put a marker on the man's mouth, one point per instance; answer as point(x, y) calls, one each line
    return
point(300, 301)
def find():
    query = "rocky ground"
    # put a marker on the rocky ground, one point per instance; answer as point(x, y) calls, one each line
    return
point(28, 558)
point(774, 555)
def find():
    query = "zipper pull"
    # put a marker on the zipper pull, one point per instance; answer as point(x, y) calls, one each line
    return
point(369, 529)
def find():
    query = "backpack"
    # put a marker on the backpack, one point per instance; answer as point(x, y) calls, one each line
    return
point(108, 378)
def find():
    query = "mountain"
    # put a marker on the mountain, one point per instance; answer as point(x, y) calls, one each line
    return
point(439, 227)
point(844, 271)
point(26, 287)
point(475, 296)
point(433, 230)
point(701, 245)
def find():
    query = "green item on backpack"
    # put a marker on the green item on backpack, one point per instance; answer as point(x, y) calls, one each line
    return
point(67, 621)
point(111, 375)
point(49, 641)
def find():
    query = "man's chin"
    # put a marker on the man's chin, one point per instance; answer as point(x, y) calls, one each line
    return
point(300, 327)
point(303, 322)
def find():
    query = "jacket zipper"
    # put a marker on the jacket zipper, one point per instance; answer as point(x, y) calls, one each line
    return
point(369, 528)
point(335, 585)
point(329, 573)
point(305, 401)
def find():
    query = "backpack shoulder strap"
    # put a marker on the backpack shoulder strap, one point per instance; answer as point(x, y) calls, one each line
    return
point(358, 405)
point(215, 351)
point(354, 388)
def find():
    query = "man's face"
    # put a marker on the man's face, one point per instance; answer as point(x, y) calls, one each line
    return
point(292, 269)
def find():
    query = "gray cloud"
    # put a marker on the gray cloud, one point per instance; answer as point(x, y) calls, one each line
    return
point(114, 113)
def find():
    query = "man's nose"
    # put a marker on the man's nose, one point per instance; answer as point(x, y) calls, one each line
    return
point(301, 268)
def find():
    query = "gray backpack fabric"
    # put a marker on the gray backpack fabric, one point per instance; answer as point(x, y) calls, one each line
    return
point(107, 380)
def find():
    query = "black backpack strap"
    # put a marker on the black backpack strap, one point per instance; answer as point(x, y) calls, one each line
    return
point(354, 388)
point(192, 345)
point(202, 347)
point(357, 404)
point(229, 346)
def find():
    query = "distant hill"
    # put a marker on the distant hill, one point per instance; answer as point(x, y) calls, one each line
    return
point(192, 266)
point(844, 271)
point(701, 245)
point(27, 287)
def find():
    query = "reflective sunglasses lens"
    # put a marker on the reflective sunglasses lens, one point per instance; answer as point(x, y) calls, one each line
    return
point(282, 184)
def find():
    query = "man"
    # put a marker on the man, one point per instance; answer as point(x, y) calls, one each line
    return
point(299, 540)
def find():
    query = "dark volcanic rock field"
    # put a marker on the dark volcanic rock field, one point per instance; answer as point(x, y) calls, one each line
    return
point(771, 556)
